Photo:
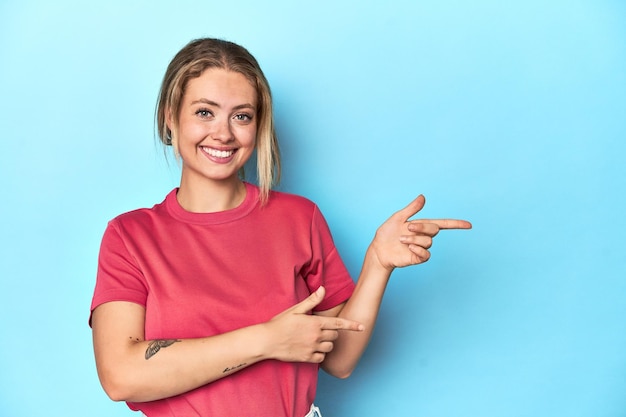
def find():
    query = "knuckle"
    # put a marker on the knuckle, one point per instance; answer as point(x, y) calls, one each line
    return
point(421, 255)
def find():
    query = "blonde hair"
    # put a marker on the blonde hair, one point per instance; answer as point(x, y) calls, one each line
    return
point(190, 62)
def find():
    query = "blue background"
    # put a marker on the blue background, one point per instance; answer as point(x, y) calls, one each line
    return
point(509, 114)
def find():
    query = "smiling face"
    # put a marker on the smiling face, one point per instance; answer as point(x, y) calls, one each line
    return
point(217, 127)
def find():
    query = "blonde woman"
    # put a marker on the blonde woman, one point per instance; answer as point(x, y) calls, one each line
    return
point(227, 297)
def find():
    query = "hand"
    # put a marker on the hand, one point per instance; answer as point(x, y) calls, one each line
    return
point(297, 336)
point(402, 242)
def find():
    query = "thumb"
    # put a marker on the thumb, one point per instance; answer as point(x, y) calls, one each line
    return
point(413, 208)
point(310, 302)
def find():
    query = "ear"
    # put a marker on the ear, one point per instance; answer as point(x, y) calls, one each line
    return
point(171, 126)
point(168, 119)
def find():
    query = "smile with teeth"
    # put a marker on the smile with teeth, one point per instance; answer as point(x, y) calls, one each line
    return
point(217, 153)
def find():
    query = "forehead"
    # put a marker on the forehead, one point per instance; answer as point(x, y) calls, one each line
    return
point(221, 86)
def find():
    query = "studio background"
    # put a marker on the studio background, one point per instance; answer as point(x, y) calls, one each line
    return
point(509, 114)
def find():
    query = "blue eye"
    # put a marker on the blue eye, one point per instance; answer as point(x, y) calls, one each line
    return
point(243, 117)
point(204, 113)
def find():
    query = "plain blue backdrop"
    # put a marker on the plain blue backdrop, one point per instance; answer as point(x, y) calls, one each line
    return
point(509, 114)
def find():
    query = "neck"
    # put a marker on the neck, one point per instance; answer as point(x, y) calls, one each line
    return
point(211, 198)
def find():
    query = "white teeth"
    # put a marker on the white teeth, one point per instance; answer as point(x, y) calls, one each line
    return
point(218, 154)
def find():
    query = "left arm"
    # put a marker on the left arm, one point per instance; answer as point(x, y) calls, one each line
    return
point(398, 242)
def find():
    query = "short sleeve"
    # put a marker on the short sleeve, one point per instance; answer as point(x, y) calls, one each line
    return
point(118, 277)
point(327, 267)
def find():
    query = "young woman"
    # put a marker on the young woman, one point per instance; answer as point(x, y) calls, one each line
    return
point(227, 297)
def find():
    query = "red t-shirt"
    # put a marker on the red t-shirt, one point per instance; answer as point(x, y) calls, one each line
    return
point(203, 274)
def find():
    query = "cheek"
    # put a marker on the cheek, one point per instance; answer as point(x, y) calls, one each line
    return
point(248, 136)
point(191, 131)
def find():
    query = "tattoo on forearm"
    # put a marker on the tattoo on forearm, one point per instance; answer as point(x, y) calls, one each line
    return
point(156, 345)
point(234, 368)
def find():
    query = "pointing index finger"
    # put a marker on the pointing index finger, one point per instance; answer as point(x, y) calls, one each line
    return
point(337, 323)
point(447, 223)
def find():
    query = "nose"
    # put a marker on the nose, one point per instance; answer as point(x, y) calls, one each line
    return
point(222, 130)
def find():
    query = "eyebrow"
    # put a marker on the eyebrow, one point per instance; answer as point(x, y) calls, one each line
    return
point(212, 103)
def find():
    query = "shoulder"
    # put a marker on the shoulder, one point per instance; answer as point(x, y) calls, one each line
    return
point(140, 216)
point(283, 200)
point(294, 209)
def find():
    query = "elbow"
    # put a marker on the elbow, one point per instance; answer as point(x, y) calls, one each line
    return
point(116, 387)
point(114, 395)
point(338, 372)
point(343, 375)
point(116, 392)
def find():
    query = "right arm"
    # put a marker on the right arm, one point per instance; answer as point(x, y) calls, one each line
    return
point(133, 369)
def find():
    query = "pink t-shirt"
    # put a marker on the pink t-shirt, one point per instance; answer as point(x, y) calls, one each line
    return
point(203, 274)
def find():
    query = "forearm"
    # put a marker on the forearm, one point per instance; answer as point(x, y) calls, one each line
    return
point(363, 307)
point(152, 370)
point(137, 370)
